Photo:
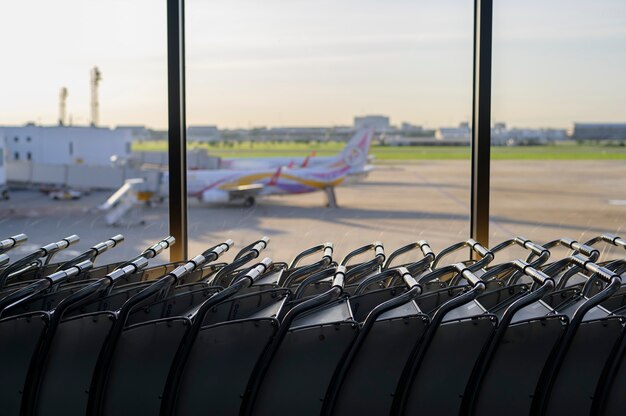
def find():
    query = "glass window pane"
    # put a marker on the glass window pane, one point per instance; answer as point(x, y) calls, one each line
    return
point(275, 88)
point(71, 133)
point(559, 107)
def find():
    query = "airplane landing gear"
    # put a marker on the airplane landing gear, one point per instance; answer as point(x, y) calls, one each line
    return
point(249, 202)
point(331, 198)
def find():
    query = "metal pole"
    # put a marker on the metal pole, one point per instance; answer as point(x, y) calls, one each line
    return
point(177, 136)
point(481, 122)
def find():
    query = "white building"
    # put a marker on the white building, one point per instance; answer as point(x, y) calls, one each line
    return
point(411, 128)
point(501, 135)
point(137, 132)
point(462, 133)
point(203, 133)
point(380, 124)
point(66, 145)
point(599, 131)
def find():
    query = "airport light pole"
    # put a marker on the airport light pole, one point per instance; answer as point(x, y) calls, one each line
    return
point(481, 122)
point(177, 135)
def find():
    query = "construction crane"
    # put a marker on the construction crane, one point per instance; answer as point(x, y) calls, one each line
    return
point(96, 77)
point(62, 101)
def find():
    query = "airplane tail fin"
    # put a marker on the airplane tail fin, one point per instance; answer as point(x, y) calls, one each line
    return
point(356, 151)
point(274, 179)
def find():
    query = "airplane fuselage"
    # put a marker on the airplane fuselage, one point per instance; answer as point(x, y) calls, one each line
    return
point(227, 185)
point(247, 163)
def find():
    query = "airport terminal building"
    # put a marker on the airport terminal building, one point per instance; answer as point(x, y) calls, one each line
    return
point(599, 131)
point(66, 145)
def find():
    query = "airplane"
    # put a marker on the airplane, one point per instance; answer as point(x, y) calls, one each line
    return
point(219, 186)
point(245, 185)
point(349, 151)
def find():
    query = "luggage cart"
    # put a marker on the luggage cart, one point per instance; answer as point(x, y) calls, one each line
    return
point(591, 328)
point(80, 345)
point(542, 333)
point(486, 256)
point(35, 260)
point(90, 254)
point(42, 362)
point(311, 340)
point(461, 320)
point(51, 298)
point(10, 243)
point(227, 337)
point(153, 346)
point(300, 280)
point(392, 327)
point(290, 276)
point(149, 273)
point(141, 351)
point(21, 335)
point(414, 267)
point(401, 334)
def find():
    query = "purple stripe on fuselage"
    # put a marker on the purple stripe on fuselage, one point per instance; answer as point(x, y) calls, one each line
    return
point(294, 188)
point(331, 175)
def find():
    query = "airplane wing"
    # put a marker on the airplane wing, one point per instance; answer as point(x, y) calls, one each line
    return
point(239, 188)
point(244, 191)
point(231, 193)
point(250, 190)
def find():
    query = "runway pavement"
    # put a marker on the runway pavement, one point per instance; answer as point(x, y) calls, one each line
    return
point(396, 204)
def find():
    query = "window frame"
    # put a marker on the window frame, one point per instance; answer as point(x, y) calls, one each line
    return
point(177, 135)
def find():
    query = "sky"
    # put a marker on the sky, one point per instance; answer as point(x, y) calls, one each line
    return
point(303, 63)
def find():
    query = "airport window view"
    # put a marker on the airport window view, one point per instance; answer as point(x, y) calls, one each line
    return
point(351, 247)
point(276, 92)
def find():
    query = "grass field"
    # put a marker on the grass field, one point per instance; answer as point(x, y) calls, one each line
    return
point(563, 151)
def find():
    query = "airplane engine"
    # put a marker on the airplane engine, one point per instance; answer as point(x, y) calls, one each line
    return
point(215, 196)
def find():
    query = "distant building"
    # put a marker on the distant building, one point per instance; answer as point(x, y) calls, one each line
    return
point(599, 131)
point(411, 128)
point(501, 135)
point(499, 127)
point(66, 145)
point(203, 133)
point(296, 134)
point(380, 124)
point(462, 133)
point(397, 140)
point(277, 134)
point(138, 132)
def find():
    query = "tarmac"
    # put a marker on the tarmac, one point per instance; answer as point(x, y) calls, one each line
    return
point(396, 204)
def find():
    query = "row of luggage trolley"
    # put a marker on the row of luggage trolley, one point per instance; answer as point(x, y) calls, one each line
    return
point(406, 333)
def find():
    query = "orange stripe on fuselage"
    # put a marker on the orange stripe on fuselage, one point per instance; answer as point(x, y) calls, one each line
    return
point(252, 179)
